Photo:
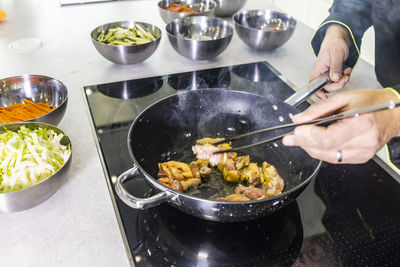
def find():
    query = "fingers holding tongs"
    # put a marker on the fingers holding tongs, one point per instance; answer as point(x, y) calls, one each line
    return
point(321, 121)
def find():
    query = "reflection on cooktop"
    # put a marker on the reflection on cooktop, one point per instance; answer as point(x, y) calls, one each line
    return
point(215, 78)
point(131, 89)
point(170, 237)
point(257, 72)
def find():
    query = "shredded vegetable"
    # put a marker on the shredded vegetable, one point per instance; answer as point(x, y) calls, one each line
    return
point(23, 112)
point(29, 156)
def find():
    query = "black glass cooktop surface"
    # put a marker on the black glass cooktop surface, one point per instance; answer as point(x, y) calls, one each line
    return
point(349, 215)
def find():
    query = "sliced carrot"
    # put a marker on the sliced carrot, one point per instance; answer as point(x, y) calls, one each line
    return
point(23, 112)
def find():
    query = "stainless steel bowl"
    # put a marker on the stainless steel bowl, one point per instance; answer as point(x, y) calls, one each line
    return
point(36, 88)
point(126, 54)
point(199, 38)
point(226, 8)
point(264, 29)
point(32, 196)
point(204, 7)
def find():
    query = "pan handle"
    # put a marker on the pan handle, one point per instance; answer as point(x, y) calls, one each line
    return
point(135, 202)
point(308, 90)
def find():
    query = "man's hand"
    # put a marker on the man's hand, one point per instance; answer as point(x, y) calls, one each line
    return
point(333, 52)
point(358, 138)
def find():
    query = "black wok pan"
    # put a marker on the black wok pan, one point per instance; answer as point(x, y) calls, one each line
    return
point(167, 130)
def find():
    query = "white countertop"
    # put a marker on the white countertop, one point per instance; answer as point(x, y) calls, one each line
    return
point(77, 226)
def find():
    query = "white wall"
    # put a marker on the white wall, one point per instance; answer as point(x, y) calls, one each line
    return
point(313, 12)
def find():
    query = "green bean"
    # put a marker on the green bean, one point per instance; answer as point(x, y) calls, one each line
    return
point(126, 36)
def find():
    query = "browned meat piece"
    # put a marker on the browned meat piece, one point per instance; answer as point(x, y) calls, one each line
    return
point(229, 172)
point(171, 183)
point(176, 185)
point(273, 182)
point(200, 170)
point(189, 183)
point(162, 173)
point(166, 181)
point(251, 174)
point(234, 197)
point(251, 192)
point(176, 170)
point(179, 185)
point(178, 175)
point(205, 171)
point(208, 140)
point(194, 167)
point(242, 162)
point(230, 165)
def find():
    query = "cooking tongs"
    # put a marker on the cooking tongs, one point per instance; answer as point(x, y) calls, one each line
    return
point(321, 121)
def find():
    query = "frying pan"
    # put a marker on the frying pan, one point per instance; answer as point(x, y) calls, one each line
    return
point(168, 129)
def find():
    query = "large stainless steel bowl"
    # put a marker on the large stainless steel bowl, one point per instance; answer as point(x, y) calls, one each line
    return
point(36, 88)
point(264, 29)
point(204, 7)
point(199, 38)
point(32, 196)
point(126, 54)
point(226, 8)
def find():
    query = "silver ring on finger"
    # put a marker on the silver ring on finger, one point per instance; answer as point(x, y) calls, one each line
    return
point(339, 156)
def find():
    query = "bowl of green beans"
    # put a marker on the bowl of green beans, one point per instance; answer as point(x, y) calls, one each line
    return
point(126, 42)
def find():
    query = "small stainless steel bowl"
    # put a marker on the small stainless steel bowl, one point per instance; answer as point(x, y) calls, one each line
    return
point(126, 54)
point(32, 196)
point(199, 37)
point(204, 7)
point(264, 29)
point(226, 8)
point(36, 88)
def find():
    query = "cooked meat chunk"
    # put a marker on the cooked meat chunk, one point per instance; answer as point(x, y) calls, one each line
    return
point(179, 185)
point(195, 168)
point(251, 174)
point(251, 192)
point(177, 170)
point(204, 171)
point(234, 197)
point(200, 170)
point(166, 181)
point(205, 150)
point(178, 175)
point(162, 173)
point(229, 172)
point(273, 183)
point(242, 162)
point(191, 182)
point(176, 185)
point(208, 140)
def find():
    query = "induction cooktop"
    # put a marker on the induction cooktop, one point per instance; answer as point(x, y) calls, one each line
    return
point(349, 215)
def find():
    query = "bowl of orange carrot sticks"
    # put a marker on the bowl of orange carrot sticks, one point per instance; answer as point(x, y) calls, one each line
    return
point(174, 9)
point(32, 98)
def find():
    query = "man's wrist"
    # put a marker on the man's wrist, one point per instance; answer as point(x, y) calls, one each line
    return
point(338, 31)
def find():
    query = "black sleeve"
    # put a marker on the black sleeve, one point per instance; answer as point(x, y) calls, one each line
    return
point(394, 151)
point(394, 144)
point(355, 16)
